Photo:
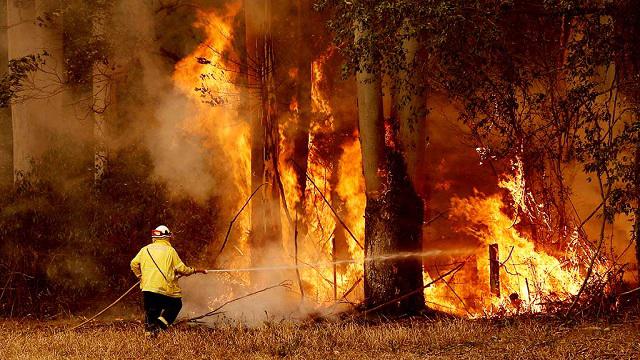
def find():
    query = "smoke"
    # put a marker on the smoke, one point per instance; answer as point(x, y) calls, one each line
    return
point(179, 158)
point(198, 159)
point(204, 293)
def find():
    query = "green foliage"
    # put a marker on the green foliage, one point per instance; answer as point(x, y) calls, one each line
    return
point(85, 44)
point(542, 81)
point(18, 71)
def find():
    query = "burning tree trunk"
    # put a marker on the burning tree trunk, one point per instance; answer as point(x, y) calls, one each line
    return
point(265, 209)
point(6, 140)
point(303, 96)
point(494, 270)
point(392, 204)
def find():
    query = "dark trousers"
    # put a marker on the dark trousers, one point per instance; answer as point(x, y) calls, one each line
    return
point(158, 305)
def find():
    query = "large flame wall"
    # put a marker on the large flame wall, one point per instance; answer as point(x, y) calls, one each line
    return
point(529, 274)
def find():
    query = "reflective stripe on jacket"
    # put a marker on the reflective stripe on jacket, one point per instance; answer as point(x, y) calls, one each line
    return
point(169, 265)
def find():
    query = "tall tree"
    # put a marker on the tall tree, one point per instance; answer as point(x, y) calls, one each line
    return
point(35, 29)
point(410, 106)
point(627, 23)
point(84, 102)
point(265, 210)
point(632, 32)
point(6, 133)
point(102, 93)
point(637, 199)
point(394, 212)
point(303, 95)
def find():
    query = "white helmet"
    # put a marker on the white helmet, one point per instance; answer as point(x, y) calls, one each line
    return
point(161, 232)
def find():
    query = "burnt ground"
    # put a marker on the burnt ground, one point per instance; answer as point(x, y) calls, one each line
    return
point(407, 339)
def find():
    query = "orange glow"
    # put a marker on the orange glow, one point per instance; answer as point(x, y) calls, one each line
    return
point(527, 269)
point(221, 126)
point(317, 246)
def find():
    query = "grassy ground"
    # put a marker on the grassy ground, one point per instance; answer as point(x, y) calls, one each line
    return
point(441, 339)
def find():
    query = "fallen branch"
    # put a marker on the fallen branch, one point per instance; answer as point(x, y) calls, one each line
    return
point(452, 271)
point(107, 308)
point(331, 207)
point(226, 237)
point(317, 270)
point(285, 284)
point(353, 287)
point(629, 292)
point(456, 294)
point(508, 257)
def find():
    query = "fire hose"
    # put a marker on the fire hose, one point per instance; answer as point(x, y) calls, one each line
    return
point(198, 317)
point(212, 312)
point(107, 308)
point(276, 268)
point(282, 267)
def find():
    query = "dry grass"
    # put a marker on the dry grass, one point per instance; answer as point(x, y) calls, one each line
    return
point(456, 339)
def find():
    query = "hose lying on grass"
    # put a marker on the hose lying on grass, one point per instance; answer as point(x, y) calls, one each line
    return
point(285, 284)
point(107, 308)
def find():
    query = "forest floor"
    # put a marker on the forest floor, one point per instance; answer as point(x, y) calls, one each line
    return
point(407, 339)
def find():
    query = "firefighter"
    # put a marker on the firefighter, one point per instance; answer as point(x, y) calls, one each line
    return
point(158, 267)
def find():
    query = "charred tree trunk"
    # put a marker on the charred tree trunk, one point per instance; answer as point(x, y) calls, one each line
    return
point(393, 224)
point(494, 270)
point(410, 106)
point(632, 31)
point(265, 209)
point(628, 63)
point(391, 209)
point(6, 131)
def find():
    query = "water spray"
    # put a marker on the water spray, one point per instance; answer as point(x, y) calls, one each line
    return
point(397, 256)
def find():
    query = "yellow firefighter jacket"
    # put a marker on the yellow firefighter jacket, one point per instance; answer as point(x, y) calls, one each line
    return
point(160, 277)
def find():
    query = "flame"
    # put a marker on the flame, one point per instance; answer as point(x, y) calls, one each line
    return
point(526, 269)
point(202, 77)
point(530, 276)
point(346, 181)
point(215, 116)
